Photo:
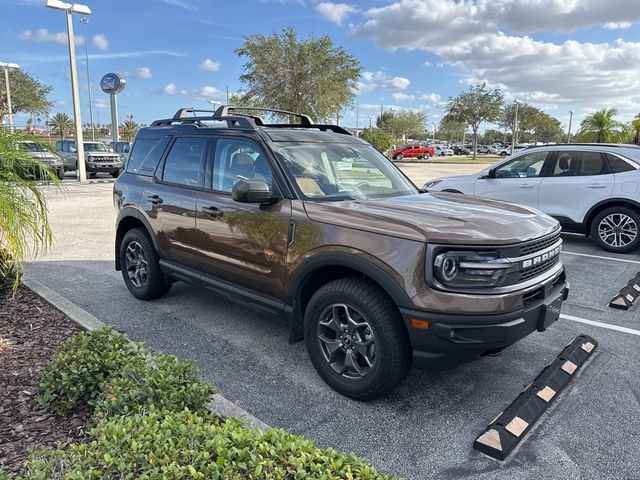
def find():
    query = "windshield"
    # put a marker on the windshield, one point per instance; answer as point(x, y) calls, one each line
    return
point(338, 171)
point(31, 147)
point(94, 147)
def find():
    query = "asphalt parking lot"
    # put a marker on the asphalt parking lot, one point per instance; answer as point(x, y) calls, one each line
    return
point(426, 428)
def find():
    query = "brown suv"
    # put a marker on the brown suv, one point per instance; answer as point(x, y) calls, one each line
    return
point(307, 221)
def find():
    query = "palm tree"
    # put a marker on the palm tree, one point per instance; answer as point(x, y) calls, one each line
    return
point(128, 129)
point(634, 128)
point(62, 123)
point(24, 228)
point(601, 126)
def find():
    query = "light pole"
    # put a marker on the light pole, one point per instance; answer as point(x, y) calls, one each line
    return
point(515, 128)
point(371, 117)
point(433, 124)
point(6, 67)
point(393, 122)
point(71, 8)
point(84, 21)
point(571, 112)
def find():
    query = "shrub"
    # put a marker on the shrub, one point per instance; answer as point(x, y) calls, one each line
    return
point(75, 376)
point(181, 445)
point(163, 382)
point(10, 273)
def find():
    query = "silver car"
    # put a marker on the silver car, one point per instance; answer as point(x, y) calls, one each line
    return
point(40, 152)
point(98, 157)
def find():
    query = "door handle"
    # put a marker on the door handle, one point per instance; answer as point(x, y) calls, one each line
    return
point(597, 185)
point(525, 185)
point(155, 199)
point(213, 212)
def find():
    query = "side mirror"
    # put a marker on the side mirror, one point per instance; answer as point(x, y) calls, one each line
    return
point(490, 174)
point(73, 150)
point(252, 191)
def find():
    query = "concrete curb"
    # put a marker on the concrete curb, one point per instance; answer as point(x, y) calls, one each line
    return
point(218, 405)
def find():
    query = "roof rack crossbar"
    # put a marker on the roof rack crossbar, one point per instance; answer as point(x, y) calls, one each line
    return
point(225, 110)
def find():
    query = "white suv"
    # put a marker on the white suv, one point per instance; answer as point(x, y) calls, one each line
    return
point(590, 188)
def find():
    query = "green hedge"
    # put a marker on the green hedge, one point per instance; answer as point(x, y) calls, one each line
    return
point(188, 445)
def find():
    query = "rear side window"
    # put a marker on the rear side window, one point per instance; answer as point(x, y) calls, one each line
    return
point(145, 155)
point(184, 164)
point(577, 164)
point(618, 165)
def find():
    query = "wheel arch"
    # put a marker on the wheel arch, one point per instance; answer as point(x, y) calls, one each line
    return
point(604, 204)
point(128, 219)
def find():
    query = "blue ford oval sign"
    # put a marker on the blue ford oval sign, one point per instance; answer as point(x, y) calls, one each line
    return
point(112, 83)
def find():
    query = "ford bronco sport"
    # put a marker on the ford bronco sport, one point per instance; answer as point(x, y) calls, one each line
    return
point(307, 221)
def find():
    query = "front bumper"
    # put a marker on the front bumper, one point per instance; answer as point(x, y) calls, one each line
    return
point(453, 339)
point(104, 166)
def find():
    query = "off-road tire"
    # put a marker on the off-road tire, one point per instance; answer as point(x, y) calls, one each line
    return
point(631, 213)
point(392, 347)
point(156, 285)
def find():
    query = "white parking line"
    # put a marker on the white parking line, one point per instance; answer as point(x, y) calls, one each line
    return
point(600, 324)
point(624, 260)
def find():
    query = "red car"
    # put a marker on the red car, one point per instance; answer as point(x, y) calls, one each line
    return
point(412, 151)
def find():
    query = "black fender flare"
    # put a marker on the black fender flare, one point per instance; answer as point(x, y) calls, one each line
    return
point(130, 212)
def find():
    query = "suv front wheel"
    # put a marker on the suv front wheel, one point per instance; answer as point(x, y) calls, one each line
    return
point(140, 267)
point(356, 338)
point(616, 229)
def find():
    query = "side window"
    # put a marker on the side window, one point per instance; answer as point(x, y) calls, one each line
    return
point(618, 165)
point(234, 159)
point(576, 164)
point(145, 155)
point(184, 164)
point(524, 166)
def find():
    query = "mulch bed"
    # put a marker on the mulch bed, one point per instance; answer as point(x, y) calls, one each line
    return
point(30, 331)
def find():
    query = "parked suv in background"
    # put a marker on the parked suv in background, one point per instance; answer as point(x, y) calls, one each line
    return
point(312, 223)
point(38, 151)
point(97, 157)
point(122, 149)
point(592, 189)
point(415, 150)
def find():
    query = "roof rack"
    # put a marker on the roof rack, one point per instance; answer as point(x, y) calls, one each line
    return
point(607, 145)
point(230, 114)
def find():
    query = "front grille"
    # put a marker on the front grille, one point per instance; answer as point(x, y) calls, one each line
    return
point(538, 245)
point(103, 159)
point(531, 272)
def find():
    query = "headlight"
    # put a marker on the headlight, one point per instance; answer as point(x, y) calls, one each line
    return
point(432, 183)
point(467, 269)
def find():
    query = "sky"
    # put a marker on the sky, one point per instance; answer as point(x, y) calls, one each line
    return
point(559, 55)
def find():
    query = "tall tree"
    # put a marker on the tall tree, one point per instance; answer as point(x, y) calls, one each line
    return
point(475, 106)
point(28, 95)
point(62, 123)
point(526, 118)
point(601, 127)
point(129, 129)
point(546, 128)
point(409, 123)
point(311, 76)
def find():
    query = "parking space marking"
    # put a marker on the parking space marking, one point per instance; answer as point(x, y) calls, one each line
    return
point(602, 257)
point(601, 324)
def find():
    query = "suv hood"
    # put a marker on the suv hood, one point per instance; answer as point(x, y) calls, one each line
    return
point(446, 218)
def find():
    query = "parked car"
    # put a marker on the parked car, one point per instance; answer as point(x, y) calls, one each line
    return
point(484, 149)
point(122, 149)
point(503, 151)
point(40, 152)
point(414, 150)
point(97, 157)
point(592, 189)
point(460, 150)
point(373, 275)
point(441, 151)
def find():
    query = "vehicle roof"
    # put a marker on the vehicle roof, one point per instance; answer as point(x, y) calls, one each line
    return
point(627, 150)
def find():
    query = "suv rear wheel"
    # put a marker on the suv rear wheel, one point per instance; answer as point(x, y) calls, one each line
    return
point(140, 268)
point(617, 229)
point(356, 338)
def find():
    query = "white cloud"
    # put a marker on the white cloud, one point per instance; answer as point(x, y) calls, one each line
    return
point(44, 35)
point(370, 81)
point(207, 91)
point(335, 12)
point(186, 4)
point(402, 97)
point(170, 89)
point(209, 65)
point(99, 103)
point(468, 36)
point(431, 97)
point(617, 25)
point(100, 41)
point(143, 73)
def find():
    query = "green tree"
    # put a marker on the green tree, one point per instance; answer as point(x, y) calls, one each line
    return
point(451, 128)
point(129, 129)
point(62, 123)
point(634, 130)
point(546, 128)
point(601, 127)
point(475, 106)
point(311, 76)
point(24, 228)
point(27, 94)
point(526, 118)
point(377, 138)
point(408, 123)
